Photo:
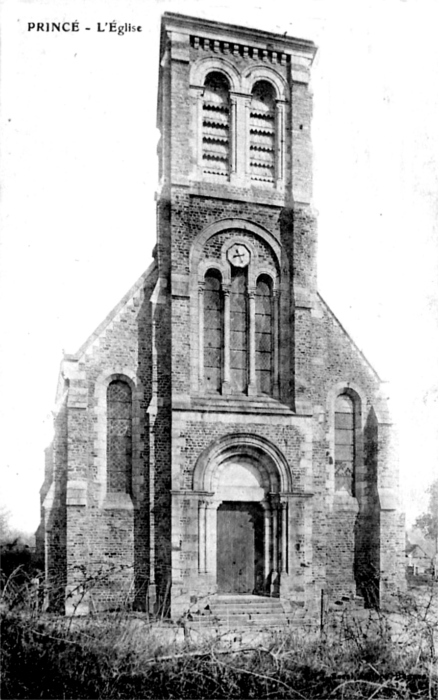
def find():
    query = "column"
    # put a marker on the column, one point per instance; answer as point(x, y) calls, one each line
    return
point(211, 537)
point(275, 539)
point(202, 505)
point(267, 517)
point(276, 343)
point(233, 135)
point(239, 136)
point(226, 375)
point(275, 581)
point(199, 105)
point(252, 386)
point(279, 145)
point(284, 538)
point(201, 335)
point(248, 139)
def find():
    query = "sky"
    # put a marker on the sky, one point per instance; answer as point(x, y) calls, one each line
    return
point(79, 175)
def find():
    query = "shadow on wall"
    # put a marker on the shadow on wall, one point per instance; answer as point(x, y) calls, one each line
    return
point(54, 534)
point(152, 536)
point(367, 526)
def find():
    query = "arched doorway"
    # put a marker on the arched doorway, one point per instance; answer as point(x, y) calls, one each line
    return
point(243, 515)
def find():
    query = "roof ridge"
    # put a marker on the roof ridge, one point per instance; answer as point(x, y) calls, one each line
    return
point(367, 362)
point(113, 313)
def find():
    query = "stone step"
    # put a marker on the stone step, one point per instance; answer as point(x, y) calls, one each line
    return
point(245, 599)
point(245, 611)
point(239, 622)
point(247, 603)
point(247, 608)
point(225, 614)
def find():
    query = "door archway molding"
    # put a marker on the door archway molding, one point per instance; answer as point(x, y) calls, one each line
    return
point(261, 457)
point(243, 445)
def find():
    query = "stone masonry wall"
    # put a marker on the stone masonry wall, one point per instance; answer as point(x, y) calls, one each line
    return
point(193, 432)
point(107, 534)
point(354, 526)
point(54, 515)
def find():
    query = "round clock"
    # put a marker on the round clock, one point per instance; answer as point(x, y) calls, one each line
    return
point(238, 255)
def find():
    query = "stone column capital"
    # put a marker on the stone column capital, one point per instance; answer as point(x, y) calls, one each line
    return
point(275, 500)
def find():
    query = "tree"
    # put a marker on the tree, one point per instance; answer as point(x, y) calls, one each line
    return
point(5, 529)
point(428, 522)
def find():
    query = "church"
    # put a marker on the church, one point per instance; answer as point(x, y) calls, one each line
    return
point(220, 433)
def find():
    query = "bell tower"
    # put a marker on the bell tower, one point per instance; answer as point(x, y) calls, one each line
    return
point(234, 112)
point(236, 283)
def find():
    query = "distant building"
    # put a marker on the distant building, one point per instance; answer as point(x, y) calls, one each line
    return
point(220, 432)
point(417, 560)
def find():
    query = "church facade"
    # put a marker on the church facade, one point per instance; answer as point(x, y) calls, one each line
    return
point(220, 433)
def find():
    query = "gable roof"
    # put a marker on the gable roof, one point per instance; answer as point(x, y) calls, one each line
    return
point(358, 350)
point(139, 284)
point(416, 551)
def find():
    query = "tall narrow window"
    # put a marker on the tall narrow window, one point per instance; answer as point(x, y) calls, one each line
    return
point(262, 132)
point(216, 125)
point(238, 330)
point(263, 335)
point(213, 331)
point(344, 444)
point(119, 437)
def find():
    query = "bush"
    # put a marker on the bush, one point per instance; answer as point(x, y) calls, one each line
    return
point(126, 655)
point(19, 561)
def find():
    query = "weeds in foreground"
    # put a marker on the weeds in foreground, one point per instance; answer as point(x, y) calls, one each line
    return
point(125, 655)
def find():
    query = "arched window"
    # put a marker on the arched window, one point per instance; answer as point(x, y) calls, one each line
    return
point(216, 125)
point(239, 330)
point(213, 331)
point(262, 132)
point(119, 437)
point(345, 446)
point(264, 335)
point(235, 321)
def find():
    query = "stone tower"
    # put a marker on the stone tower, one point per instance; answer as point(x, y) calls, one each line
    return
point(220, 432)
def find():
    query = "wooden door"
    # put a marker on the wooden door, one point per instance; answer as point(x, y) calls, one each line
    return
point(239, 547)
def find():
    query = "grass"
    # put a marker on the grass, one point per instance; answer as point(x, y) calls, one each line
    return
point(126, 655)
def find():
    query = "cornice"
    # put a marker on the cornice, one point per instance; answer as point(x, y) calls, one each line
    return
point(230, 32)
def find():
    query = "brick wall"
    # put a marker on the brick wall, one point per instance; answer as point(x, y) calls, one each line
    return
point(142, 543)
point(54, 514)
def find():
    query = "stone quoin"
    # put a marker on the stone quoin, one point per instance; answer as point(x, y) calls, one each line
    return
point(220, 432)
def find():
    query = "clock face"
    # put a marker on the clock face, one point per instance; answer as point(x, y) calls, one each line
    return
point(238, 255)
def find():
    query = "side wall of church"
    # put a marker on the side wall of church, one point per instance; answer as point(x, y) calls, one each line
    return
point(53, 529)
point(105, 529)
point(363, 543)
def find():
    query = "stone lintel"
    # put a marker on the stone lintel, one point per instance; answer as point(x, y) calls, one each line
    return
point(388, 498)
point(77, 493)
point(117, 501)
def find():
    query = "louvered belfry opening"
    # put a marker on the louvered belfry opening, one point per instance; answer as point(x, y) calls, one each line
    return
point(213, 331)
point(344, 443)
point(262, 132)
point(263, 335)
point(119, 437)
point(216, 125)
